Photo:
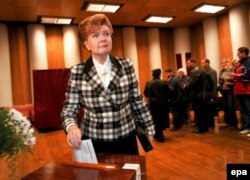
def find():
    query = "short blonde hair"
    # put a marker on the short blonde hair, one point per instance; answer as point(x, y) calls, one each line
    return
point(181, 70)
point(92, 24)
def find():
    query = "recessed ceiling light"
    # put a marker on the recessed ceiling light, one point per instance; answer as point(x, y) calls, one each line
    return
point(111, 8)
point(158, 19)
point(96, 7)
point(205, 8)
point(55, 20)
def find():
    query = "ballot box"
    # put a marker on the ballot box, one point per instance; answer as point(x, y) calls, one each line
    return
point(110, 166)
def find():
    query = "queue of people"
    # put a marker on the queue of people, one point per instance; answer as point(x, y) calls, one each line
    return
point(200, 89)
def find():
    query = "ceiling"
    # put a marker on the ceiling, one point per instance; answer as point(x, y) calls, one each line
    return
point(131, 13)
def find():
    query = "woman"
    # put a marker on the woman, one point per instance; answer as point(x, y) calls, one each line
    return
point(107, 89)
point(226, 83)
point(185, 101)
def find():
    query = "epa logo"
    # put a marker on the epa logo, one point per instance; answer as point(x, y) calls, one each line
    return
point(238, 173)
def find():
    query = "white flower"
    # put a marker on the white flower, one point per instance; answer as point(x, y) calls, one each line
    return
point(22, 126)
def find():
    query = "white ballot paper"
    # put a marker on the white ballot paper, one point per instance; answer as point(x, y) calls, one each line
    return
point(86, 152)
point(136, 167)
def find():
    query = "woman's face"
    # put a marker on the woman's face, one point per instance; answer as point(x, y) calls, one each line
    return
point(180, 73)
point(99, 42)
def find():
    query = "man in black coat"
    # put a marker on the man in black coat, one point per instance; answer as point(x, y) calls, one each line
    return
point(156, 91)
point(175, 99)
point(198, 95)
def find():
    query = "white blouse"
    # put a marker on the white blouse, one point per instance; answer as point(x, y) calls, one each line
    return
point(103, 70)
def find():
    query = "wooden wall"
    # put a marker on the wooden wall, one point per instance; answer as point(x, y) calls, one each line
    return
point(143, 57)
point(117, 48)
point(54, 43)
point(224, 37)
point(197, 43)
point(167, 50)
point(55, 53)
point(20, 76)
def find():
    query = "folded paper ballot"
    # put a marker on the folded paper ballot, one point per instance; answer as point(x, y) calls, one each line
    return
point(136, 167)
point(86, 152)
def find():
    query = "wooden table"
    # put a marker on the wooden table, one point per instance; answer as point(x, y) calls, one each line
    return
point(60, 169)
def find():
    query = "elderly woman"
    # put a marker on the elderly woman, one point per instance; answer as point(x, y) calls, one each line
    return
point(185, 101)
point(107, 89)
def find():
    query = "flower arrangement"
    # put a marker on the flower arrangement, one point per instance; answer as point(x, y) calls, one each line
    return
point(16, 133)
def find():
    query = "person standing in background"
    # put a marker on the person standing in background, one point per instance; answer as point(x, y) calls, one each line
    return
point(235, 64)
point(195, 89)
point(212, 111)
point(183, 80)
point(242, 87)
point(107, 89)
point(175, 99)
point(157, 91)
point(226, 84)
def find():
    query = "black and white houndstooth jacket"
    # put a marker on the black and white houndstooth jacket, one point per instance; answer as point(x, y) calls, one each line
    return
point(108, 113)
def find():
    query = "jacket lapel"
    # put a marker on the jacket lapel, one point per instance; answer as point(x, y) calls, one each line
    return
point(116, 74)
point(94, 80)
point(91, 76)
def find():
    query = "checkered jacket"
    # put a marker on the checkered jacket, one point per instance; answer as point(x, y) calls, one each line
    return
point(108, 113)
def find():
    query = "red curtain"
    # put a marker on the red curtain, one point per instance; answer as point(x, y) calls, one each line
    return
point(49, 90)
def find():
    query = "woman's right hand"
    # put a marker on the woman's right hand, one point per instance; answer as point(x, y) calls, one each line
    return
point(74, 137)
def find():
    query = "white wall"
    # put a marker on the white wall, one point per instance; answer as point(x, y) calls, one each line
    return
point(5, 68)
point(210, 30)
point(154, 48)
point(182, 43)
point(130, 47)
point(239, 27)
point(37, 49)
point(71, 46)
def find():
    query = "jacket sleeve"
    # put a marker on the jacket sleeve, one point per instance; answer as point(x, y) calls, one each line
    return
point(140, 111)
point(69, 114)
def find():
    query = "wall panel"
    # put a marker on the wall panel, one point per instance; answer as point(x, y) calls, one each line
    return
point(210, 32)
point(225, 44)
point(182, 45)
point(167, 49)
point(117, 49)
point(197, 43)
point(143, 57)
point(239, 28)
point(154, 48)
point(54, 42)
point(71, 47)
point(21, 90)
point(130, 47)
point(5, 69)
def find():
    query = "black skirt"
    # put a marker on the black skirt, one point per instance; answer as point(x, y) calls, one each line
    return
point(124, 145)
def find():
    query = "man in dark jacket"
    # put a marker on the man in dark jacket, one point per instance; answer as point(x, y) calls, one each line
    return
point(156, 91)
point(212, 110)
point(198, 95)
point(175, 99)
